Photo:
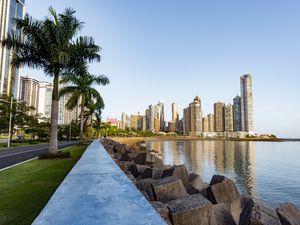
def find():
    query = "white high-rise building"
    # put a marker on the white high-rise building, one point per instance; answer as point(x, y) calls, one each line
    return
point(29, 92)
point(9, 76)
point(44, 99)
point(246, 103)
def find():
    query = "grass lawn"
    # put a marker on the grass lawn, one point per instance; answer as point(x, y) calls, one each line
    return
point(26, 189)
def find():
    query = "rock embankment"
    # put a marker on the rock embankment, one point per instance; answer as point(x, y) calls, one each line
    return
point(182, 198)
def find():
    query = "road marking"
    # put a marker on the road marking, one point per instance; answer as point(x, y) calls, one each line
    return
point(18, 153)
point(28, 160)
point(5, 168)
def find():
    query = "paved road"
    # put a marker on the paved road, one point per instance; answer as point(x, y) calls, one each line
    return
point(3, 140)
point(16, 155)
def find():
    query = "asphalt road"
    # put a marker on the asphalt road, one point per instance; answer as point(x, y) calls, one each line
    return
point(16, 155)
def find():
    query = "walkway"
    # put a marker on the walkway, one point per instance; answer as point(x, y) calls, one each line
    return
point(96, 191)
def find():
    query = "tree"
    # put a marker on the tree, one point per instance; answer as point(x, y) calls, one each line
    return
point(82, 92)
point(20, 115)
point(94, 109)
point(50, 44)
point(97, 122)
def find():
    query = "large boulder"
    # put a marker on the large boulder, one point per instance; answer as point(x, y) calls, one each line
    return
point(196, 185)
point(168, 188)
point(288, 214)
point(125, 165)
point(154, 173)
point(192, 209)
point(196, 209)
point(120, 148)
point(145, 185)
point(257, 213)
point(223, 190)
point(178, 171)
point(221, 216)
point(146, 158)
point(163, 211)
point(137, 170)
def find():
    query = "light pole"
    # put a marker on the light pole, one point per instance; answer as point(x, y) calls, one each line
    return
point(70, 130)
point(10, 120)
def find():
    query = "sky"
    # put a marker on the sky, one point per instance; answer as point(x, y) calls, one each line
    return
point(173, 50)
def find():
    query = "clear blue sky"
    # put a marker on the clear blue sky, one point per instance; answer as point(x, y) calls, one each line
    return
point(173, 50)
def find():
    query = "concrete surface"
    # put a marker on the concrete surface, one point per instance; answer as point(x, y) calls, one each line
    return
point(96, 191)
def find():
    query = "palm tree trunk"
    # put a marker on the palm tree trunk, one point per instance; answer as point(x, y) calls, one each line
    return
point(81, 119)
point(54, 116)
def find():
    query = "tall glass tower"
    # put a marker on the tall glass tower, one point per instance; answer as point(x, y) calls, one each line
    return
point(246, 103)
point(9, 76)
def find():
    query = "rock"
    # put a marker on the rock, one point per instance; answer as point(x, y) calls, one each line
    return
point(223, 190)
point(257, 213)
point(120, 148)
point(152, 173)
point(190, 210)
point(137, 170)
point(109, 148)
point(168, 188)
point(146, 195)
point(117, 156)
point(196, 185)
point(163, 211)
point(145, 185)
point(125, 157)
point(145, 158)
point(178, 171)
point(196, 181)
point(288, 214)
point(221, 216)
point(125, 165)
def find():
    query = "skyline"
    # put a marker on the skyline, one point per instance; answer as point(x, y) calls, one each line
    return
point(172, 52)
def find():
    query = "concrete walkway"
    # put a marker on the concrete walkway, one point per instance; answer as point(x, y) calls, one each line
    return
point(96, 191)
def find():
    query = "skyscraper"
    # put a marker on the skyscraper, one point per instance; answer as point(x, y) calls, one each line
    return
point(161, 117)
point(29, 92)
point(175, 116)
point(9, 76)
point(228, 118)
point(151, 117)
point(219, 116)
point(186, 121)
point(211, 122)
point(44, 99)
point(246, 103)
point(237, 113)
point(195, 117)
point(205, 124)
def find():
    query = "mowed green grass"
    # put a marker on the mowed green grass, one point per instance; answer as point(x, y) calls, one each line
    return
point(26, 188)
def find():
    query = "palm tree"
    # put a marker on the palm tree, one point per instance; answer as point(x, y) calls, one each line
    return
point(98, 122)
point(50, 44)
point(82, 92)
point(93, 109)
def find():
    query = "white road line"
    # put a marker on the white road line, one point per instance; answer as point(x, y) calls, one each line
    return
point(5, 168)
point(18, 153)
point(28, 160)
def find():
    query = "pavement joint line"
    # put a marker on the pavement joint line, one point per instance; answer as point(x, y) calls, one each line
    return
point(28, 160)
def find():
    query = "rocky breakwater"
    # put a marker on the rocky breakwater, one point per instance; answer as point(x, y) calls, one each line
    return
point(182, 198)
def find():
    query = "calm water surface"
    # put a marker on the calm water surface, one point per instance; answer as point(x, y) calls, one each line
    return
point(267, 170)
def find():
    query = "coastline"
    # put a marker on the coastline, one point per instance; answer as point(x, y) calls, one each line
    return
point(176, 193)
point(134, 140)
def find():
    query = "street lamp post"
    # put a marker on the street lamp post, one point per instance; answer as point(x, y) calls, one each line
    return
point(10, 120)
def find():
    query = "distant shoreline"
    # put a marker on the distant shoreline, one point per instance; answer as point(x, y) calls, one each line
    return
point(186, 138)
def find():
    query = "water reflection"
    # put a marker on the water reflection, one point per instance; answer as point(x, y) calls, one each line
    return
point(206, 158)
